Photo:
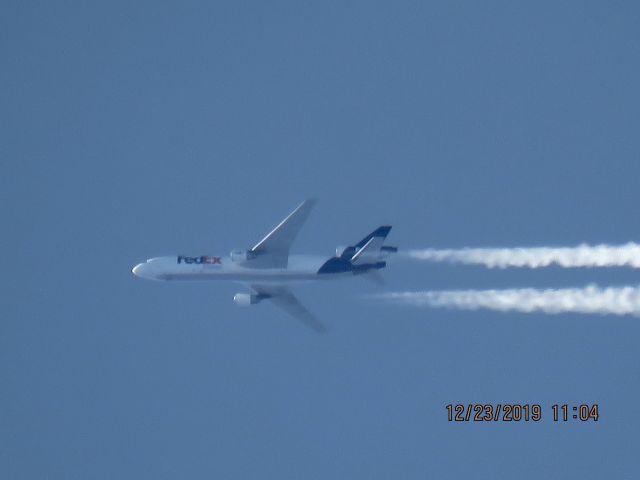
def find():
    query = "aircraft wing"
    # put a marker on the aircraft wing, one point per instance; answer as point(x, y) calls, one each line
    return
point(273, 250)
point(284, 298)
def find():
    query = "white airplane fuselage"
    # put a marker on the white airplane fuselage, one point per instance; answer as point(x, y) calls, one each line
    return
point(267, 268)
point(300, 268)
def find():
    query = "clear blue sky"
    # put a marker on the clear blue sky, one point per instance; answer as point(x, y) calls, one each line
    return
point(130, 131)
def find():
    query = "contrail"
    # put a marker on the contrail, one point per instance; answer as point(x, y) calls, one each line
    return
point(627, 255)
point(591, 299)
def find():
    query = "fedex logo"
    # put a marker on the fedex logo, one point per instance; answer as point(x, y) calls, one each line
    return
point(202, 259)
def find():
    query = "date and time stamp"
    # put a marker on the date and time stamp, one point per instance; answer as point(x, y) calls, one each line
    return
point(516, 412)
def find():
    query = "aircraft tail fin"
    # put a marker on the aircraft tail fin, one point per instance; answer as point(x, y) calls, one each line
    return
point(366, 255)
point(379, 233)
point(371, 249)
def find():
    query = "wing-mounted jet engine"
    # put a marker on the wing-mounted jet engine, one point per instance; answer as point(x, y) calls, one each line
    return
point(241, 256)
point(246, 299)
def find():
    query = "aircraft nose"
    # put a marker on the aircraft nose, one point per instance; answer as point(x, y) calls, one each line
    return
point(137, 270)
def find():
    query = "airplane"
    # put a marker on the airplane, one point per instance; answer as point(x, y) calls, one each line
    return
point(268, 269)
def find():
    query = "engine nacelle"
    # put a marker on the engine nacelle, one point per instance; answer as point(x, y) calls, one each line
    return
point(241, 256)
point(245, 299)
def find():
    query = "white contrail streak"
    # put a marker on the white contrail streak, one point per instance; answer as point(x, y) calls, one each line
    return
point(591, 299)
point(535, 257)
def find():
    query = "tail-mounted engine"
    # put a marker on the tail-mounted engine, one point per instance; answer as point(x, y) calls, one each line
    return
point(348, 252)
